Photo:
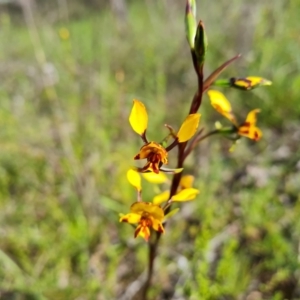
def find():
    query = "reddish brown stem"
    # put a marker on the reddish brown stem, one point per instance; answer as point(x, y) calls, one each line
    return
point(144, 137)
point(152, 249)
point(153, 244)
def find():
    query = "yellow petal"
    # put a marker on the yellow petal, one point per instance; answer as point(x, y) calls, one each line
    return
point(246, 83)
point(220, 103)
point(155, 178)
point(218, 99)
point(186, 195)
point(131, 218)
point(147, 207)
point(188, 128)
point(251, 132)
point(256, 134)
point(248, 128)
point(134, 179)
point(186, 181)
point(156, 225)
point(251, 117)
point(142, 231)
point(258, 81)
point(138, 117)
point(162, 197)
point(171, 213)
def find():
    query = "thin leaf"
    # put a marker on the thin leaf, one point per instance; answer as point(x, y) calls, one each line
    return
point(170, 214)
point(214, 75)
point(171, 171)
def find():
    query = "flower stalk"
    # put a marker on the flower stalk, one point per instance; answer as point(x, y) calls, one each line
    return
point(151, 217)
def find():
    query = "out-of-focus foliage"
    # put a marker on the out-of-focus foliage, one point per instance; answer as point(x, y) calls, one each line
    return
point(66, 90)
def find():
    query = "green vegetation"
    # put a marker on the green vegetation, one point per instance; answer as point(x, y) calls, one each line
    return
point(65, 142)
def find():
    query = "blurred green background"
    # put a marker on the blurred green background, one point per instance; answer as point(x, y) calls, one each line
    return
point(68, 73)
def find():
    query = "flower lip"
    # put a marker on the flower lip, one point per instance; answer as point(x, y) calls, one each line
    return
point(147, 215)
point(153, 148)
point(155, 154)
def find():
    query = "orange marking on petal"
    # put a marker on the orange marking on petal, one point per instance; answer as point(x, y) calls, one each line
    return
point(137, 156)
point(137, 231)
point(244, 131)
point(155, 154)
point(160, 229)
point(155, 170)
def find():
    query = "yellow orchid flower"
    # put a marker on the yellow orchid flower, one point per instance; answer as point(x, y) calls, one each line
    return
point(147, 215)
point(249, 83)
point(155, 153)
point(243, 83)
point(247, 128)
